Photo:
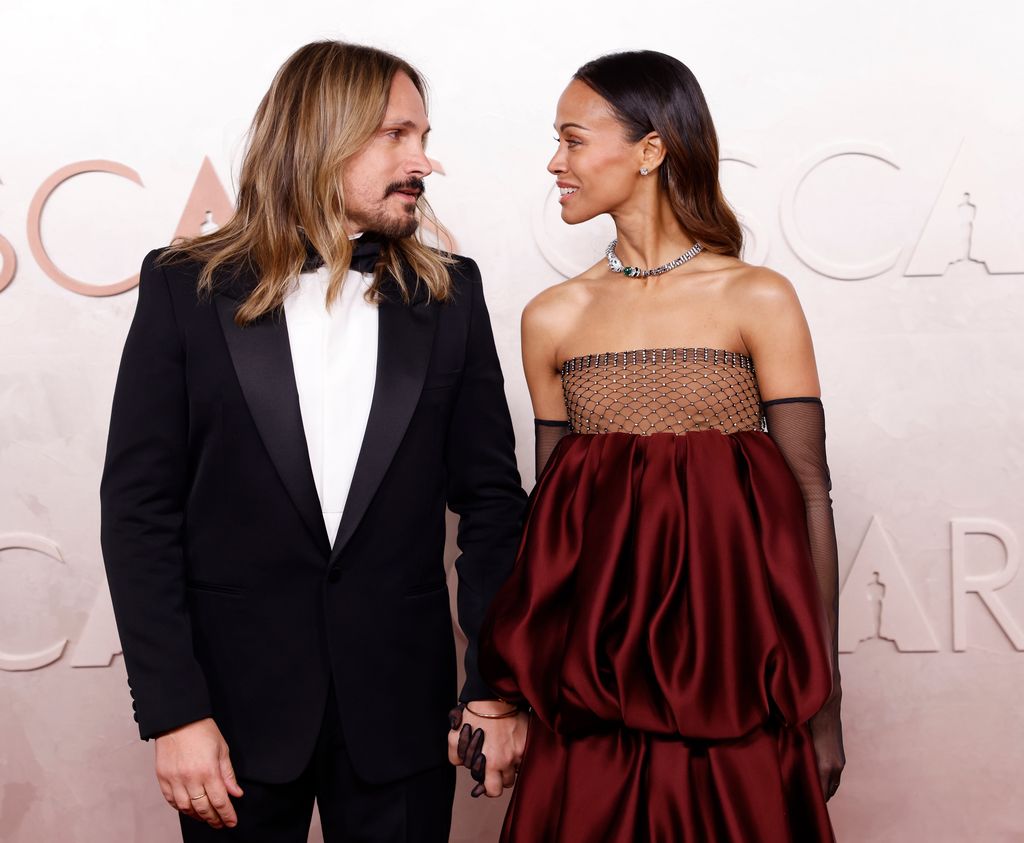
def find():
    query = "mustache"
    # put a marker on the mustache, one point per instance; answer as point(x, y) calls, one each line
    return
point(408, 184)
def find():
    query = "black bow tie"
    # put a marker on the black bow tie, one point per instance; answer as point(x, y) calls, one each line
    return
point(365, 254)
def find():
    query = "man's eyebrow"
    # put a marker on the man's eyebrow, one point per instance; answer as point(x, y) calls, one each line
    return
point(404, 124)
point(565, 126)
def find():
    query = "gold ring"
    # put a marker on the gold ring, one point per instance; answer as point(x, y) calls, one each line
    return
point(197, 798)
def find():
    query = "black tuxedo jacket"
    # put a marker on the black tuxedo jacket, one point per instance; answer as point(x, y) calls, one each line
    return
point(230, 600)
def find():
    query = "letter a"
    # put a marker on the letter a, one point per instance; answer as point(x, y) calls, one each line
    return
point(207, 197)
point(903, 621)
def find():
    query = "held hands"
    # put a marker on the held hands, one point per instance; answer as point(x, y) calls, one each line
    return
point(195, 774)
point(506, 741)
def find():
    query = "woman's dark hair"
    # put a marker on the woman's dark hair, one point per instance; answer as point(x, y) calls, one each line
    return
point(652, 92)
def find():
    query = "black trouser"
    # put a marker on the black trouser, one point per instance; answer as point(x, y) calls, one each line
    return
point(417, 809)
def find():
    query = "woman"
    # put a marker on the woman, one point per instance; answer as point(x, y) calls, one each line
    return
point(664, 621)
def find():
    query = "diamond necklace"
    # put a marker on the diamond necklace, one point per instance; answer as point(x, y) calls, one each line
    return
point(615, 265)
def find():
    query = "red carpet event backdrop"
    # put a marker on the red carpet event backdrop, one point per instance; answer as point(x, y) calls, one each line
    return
point(874, 155)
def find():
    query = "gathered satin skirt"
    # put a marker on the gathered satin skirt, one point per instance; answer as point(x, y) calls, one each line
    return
point(665, 625)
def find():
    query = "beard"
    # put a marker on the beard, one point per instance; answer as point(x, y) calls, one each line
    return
point(392, 225)
point(388, 224)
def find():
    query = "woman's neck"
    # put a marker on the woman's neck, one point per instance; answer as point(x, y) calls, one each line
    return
point(649, 233)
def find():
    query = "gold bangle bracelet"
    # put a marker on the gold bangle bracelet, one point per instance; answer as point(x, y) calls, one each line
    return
point(511, 713)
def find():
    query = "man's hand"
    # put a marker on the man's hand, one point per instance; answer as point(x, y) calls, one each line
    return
point(504, 739)
point(195, 773)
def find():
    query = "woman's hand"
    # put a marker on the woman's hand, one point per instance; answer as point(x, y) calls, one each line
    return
point(827, 733)
point(505, 743)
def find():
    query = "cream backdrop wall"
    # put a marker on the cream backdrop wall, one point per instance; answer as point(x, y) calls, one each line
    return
point(873, 150)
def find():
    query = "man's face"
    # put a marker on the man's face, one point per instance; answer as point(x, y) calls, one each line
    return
point(384, 179)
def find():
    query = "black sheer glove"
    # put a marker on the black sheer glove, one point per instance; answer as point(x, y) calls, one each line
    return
point(547, 434)
point(470, 749)
point(827, 734)
point(797, 426)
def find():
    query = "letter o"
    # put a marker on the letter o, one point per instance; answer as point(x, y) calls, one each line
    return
point(8, 263)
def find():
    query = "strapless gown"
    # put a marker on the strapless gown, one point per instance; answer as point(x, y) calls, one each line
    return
point(663, 622)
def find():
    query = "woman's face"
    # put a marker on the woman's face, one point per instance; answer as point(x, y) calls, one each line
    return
point(596, 166)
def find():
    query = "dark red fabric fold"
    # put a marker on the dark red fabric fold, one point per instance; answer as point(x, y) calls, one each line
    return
point(664, 622)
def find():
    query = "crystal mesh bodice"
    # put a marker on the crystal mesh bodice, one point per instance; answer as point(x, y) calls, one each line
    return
point(665, 390)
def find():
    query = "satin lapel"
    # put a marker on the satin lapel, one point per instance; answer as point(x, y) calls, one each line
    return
point(263, 364)
point(405, 337)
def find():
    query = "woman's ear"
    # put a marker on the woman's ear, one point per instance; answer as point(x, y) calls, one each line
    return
point(652, 151)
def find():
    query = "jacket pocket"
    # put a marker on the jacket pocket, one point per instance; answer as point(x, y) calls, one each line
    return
point(213, 587)
point(427, 590)
point(442, 380)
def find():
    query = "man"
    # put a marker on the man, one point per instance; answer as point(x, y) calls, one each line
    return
point(301, 393)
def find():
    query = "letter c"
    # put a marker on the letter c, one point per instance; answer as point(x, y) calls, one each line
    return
point(870, 267)
point(48, 655)
point(35, 216)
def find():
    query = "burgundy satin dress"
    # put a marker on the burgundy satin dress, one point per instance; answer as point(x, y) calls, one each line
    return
point(663, 619)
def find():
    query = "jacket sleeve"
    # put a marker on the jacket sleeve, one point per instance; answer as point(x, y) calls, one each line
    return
point(142, 499)
point(484, 487)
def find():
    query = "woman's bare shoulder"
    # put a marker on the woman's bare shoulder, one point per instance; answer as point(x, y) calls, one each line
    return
point(561, 301)
point(759, 287)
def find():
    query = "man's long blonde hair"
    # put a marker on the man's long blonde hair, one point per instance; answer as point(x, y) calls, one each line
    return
point(325, 104)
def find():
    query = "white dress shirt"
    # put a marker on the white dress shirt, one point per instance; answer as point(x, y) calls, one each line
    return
point(334, 353)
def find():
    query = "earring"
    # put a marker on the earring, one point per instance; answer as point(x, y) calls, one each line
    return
point(644, 171)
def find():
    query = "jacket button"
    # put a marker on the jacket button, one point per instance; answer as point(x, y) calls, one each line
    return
point(333, 575)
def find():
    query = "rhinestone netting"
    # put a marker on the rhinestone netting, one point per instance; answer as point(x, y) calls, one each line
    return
point(664, 390)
